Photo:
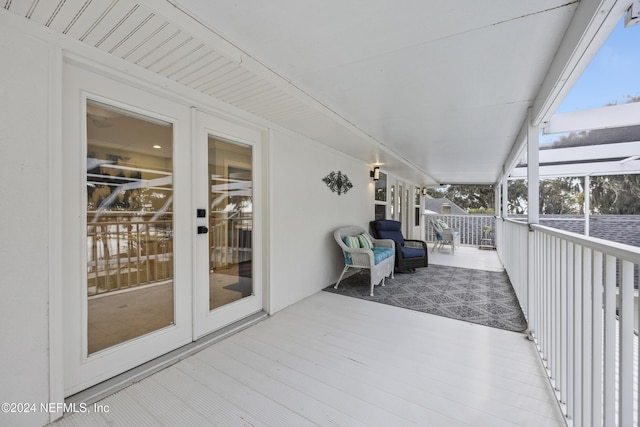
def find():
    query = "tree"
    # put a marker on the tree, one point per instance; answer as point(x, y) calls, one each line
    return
point(557, 196)
point(616, 194)
point(619, 194)
point(517, 196)
point(468, 197)
point(561, 196)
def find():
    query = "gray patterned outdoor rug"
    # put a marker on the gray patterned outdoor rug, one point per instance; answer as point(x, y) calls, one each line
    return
point(476, 296)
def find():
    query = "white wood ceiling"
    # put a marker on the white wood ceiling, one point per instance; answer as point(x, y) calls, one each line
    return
point(135, 33)
point(424, 88)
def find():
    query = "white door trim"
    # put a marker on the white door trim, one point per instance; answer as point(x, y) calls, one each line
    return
point(79, 79)
point(206, 321)
point(80, 369)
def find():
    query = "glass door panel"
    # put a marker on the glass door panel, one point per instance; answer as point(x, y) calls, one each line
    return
point(393, 202)
point(400, 207)
point(227, 205)
point(129, 229)
point(230, 221)
point(406, 224)
point(128, 239)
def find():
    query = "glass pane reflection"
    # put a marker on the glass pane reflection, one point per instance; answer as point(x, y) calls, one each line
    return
point(129, 225)
point(230, 222)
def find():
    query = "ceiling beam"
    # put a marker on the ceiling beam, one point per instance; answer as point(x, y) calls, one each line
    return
point(597, 118)
point(619, 150)
point(602, 159)
point(582, 169)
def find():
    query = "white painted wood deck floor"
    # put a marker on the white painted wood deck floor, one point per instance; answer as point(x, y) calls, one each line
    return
point(335, 360)
point(466, 257)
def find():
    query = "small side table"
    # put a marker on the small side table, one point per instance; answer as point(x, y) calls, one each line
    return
point(486, 244)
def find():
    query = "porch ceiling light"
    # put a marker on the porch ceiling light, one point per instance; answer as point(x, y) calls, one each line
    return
point(375, 173)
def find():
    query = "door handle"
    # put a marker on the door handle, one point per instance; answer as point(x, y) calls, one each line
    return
point(202, 229)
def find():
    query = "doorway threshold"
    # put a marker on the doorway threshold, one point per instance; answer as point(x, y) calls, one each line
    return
point(119, 382)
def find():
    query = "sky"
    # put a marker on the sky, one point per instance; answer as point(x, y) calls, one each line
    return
point(612, 74)
point(611, 77)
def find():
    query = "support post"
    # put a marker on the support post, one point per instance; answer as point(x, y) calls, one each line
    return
point(496, 202)
point(533, 172)
point(587, 203)
point(505, 196)
point(498, 217)
point(533, 215)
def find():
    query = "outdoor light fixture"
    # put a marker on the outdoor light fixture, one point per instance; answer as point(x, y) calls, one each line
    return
point(375, 173)
point(424, 191)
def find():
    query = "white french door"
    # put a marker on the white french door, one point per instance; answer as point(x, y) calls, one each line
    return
point(228, 203)
point(401, 201)
point(161, 245)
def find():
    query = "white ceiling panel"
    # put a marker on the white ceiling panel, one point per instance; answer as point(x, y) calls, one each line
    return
point(432, 91)
point(155, 34)
point(86, 17)
point(165, 52)
point(140, 32)
point(176, 60)
point(47, 12)
point(111, 22)
point(252, 85)
point(440, 83)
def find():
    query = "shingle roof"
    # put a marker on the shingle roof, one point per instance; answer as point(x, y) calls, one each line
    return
point(435, 205)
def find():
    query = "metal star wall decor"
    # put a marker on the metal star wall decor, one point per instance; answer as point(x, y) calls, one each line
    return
point(338, 182)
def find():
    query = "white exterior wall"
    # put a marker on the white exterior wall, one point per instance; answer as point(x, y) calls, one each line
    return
point(302, 256)
point(24, 229)
point(304, 213)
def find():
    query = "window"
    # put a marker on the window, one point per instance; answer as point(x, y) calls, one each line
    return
point(381, 200)
point(416, 216)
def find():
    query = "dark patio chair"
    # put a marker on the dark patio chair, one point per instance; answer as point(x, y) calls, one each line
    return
point(410, 254)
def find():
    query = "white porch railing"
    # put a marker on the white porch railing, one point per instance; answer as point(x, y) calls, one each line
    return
point(470, 226)
point(578, 296)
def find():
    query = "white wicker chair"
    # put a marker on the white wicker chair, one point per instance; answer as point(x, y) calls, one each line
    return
point(445, 236)
point(364, 258)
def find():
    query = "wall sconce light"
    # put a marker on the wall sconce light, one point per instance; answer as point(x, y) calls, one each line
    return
point(424, 191)
point(375, 173)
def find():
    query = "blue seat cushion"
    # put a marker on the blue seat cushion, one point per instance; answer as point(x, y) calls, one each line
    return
point(396, 236)
point(389, 229)
point(455, 233)
point(408, 252)
point(388, 225)
point(380, 254)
